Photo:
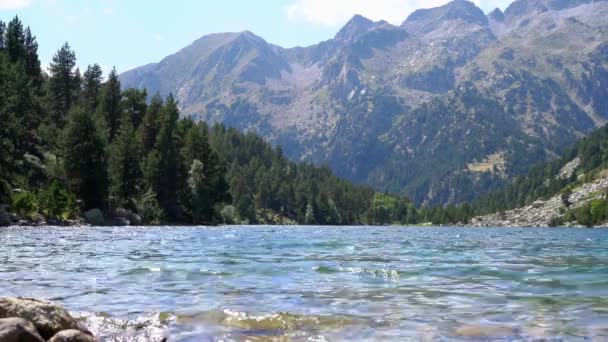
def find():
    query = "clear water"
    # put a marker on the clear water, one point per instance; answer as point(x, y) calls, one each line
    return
point(317, 283)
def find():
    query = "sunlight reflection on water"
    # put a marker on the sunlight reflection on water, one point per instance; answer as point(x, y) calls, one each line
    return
point(316, 283)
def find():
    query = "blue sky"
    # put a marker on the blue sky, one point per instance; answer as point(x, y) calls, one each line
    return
point(130, 33)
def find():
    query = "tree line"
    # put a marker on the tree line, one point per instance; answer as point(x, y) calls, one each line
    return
point(73, 141)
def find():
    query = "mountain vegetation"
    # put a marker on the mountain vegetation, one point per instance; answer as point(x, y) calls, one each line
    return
point(449, 105)
point(580, 164)
point(72, 142)
point(485, 99)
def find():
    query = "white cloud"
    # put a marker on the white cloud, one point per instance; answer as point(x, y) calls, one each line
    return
point(158, 37)
point(337, 12)
point(14, 4)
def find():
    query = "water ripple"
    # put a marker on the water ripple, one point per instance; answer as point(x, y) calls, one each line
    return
point(317, 283)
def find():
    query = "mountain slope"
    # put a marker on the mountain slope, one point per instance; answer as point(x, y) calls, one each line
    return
point(569, 191)
point(450, 104)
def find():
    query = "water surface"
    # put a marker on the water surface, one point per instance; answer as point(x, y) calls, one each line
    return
point(317, 283)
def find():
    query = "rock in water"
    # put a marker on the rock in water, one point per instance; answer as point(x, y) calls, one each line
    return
point(5, 219)
point(128, 215)
point(72, 336)
point(94, 217)
point(49, 319)
point(119, 222)
point(18, 330)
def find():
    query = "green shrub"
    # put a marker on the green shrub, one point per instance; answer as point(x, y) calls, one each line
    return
point(149, 209)
point(25, 204)
point(229, 215)
point(556, 221)
point(565, 196)
point(56, 202)
point(591, 214)
point(598, 209)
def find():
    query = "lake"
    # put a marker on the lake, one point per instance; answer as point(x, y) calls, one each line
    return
point(317, 283)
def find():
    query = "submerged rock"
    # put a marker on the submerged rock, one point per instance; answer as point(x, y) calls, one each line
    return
point(150, 329)
point(119, 222)
point(72, 336)
point(16, 329)
point(485, 331)
point(48, 319)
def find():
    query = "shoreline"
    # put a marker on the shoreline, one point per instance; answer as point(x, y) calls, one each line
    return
point(177, 225)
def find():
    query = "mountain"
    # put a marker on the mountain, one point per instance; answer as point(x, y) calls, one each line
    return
point(450, 104)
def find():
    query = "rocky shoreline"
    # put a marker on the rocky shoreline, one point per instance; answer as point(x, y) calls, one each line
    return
point(542, 213)
point(95, 217)
point(32, 320)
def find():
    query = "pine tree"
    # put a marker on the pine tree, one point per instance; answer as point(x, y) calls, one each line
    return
point(63, 83)
point(85, 160)
point(110, 103)
point(91, 93)
point(2, 33)
point(31, 60)
point(15, 40)
point(124, 167)
point(10, 129)
point(202, 211)
point(242, 198)
point(25, 109)
point(334, 216)
point(148, 130)
point(134, 104)
point(17, 118)
point(168, 159)
point(212, 188)
point(309, 217)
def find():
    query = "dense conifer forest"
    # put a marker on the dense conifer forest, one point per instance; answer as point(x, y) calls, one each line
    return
point(75, 141)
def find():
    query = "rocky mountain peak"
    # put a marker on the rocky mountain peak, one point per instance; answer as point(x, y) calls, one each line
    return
point(521, 8)
point(249, 39)
point(355, 27)
point(429, 19)
point(497, 15)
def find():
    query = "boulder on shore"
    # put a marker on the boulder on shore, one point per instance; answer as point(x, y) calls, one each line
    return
point(16, 329)
point(94, 217)
point(48, 319)
point(72, 336)
point(538, 204)
point(128, 215)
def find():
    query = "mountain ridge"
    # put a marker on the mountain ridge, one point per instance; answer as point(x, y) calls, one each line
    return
point(358, 101)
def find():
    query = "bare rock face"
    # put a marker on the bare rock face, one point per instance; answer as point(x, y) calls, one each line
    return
point(18, 330)
point(72, 336)
point(48, 319)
